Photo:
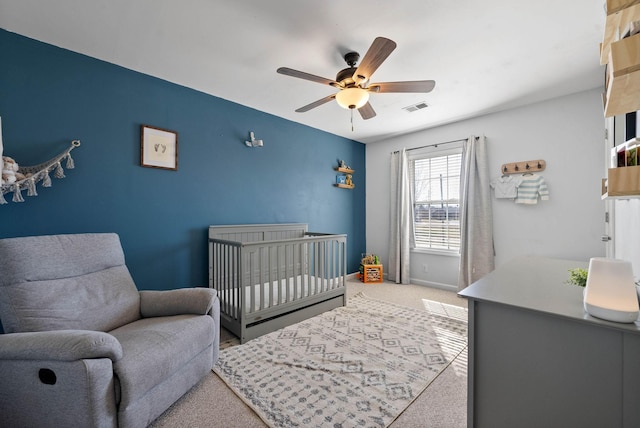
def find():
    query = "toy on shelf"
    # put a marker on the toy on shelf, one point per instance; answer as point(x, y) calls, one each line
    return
point(348, 180)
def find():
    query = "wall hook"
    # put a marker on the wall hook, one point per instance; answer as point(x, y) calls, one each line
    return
point(253, 142)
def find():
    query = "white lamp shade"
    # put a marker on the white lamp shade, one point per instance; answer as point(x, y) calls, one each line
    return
point(610, 293)
point(351, 98)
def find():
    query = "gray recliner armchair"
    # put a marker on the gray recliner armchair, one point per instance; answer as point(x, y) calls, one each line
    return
point(83, 347)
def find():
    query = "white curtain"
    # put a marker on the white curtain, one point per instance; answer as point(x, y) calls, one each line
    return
point(476, 218)
point(401, 219)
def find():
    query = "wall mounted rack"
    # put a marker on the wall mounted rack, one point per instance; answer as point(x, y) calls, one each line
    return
point(536, 165)
point(38, 173)
point(345, 172)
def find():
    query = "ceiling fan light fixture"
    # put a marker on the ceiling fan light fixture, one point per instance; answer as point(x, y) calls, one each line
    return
point(352, 98)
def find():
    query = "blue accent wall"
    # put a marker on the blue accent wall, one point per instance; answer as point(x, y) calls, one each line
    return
point(50, 96)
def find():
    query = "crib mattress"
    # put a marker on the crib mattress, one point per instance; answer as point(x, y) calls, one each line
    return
point(268, 295)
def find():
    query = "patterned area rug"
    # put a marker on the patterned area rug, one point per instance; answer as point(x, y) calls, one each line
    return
point(356, 366)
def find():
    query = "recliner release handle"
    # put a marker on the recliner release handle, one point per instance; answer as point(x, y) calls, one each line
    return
point(47, 376)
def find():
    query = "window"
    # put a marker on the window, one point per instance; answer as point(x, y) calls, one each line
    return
point(435, 180)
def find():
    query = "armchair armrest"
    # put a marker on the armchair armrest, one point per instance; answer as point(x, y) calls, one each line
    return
point(197, 301)
point(59, 345)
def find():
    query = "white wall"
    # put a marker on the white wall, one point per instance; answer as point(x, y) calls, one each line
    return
point(566, 132)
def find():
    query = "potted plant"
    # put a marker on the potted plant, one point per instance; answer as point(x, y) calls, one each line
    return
point(578, 276)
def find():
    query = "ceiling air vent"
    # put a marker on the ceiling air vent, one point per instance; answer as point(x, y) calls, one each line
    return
point(416, 107)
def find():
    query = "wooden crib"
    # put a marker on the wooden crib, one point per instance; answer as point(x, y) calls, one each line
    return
point(269, 276)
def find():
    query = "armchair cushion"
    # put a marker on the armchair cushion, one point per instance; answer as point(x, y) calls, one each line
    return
point(37, 258)
point(63, 345)
point(66, 282)
point(196, 301)
point(156, 348)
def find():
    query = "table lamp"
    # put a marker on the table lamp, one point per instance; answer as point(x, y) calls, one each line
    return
point(610, 293)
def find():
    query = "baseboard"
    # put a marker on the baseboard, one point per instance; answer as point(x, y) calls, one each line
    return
point(431, 284)
point(439, 285)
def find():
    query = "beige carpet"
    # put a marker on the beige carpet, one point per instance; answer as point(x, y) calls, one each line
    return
point(212, 404)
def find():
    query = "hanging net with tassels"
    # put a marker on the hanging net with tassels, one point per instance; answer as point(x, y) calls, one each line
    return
point(38, 173)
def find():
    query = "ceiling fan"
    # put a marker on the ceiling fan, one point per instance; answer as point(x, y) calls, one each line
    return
point(353, 82)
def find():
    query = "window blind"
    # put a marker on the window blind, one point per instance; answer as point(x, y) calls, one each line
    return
point(436, 196)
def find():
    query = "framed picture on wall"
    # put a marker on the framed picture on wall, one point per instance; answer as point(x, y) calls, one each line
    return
point(158, 148)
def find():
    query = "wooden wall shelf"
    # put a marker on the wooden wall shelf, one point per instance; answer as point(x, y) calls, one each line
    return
point(620, 51)
point(345, 170)
point(614, 6)
point(623, 183)
point(623, 77)
point(345, 186)
point(616, 25)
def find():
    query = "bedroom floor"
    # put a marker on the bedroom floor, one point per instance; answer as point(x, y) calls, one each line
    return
point(409, 295)
point(443, 404)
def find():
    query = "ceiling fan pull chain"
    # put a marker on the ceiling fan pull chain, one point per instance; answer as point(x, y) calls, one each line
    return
point(351, 119)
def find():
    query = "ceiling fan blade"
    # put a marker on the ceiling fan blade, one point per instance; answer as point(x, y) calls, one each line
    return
point(367, 112)
point(306, 76)
point(379, 50)
point(413, 86)
point(316, 103)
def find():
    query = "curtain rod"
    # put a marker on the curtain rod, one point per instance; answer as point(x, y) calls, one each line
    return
point(435, 145)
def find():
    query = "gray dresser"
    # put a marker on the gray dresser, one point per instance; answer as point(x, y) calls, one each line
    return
point(537, 359)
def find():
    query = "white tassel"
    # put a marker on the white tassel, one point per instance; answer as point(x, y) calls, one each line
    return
point(59, 171)
point(31, 187)
point(46, 181)
point(70, 163)
point(2, 199)
point(17, 194)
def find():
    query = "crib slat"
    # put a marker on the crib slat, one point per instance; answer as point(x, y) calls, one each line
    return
point(298, 262)
point(263, 276)
point(316, 265)
point(271, 285)
point(290, 272)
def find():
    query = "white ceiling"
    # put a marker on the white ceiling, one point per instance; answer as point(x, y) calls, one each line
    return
point(485, 55)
